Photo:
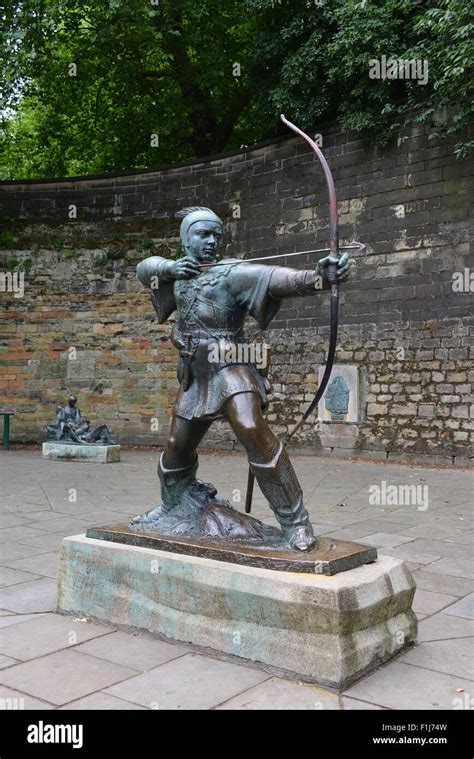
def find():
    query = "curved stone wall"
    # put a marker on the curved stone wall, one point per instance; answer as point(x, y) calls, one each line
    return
point(82, 323)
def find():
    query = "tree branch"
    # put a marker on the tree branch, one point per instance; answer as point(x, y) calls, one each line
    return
point(226, 126)
point(153, 74)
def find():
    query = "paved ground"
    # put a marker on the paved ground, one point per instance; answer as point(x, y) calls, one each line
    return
point(53, 662)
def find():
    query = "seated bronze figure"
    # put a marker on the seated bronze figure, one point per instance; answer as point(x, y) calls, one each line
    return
point(70, 427)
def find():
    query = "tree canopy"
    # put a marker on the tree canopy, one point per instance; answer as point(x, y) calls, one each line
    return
point(104, 85)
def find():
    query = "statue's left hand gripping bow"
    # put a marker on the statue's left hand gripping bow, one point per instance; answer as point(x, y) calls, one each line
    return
point(331, 278)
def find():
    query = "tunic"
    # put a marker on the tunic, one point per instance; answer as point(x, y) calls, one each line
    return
point(211, 309)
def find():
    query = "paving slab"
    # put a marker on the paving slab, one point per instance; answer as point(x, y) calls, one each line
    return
point(465, 537)
point(352, 704)
point(408, 553)
point(48, 541)
point(434, 581)
point(407, 518)
point(10, 520)
point(412, 565)
point(101, 701)
point(45, 564)
point(137, 651)
point(12, 551)
point(16, 619)
point(339, 519)
point(454, 567)
point(277, 694)
point(444, 548)
point(463, 608)
point(404, 686)
point(433, 532)
point(28, 597)
point(427, 602)
point(46, 634)
point(371, 526)
point(7, 661)
point(384, 539)
point(16, 534)
point(190, 682)
point(14, 699)
point(9, 576)
point(452, 657)
point(40, 519)
point(36, 517)
point(442, 626)
point(63, 676)
point(64, 524)
point(347, 533)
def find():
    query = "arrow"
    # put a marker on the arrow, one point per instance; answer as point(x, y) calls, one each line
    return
point(352, 246)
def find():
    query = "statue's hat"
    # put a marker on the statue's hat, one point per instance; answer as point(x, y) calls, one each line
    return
point(191, 216)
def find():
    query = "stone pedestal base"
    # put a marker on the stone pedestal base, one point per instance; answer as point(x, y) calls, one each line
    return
point(102, 454)
point(328, 630)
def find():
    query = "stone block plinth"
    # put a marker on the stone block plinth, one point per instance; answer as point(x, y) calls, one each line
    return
point(327, 630)
point(101, 454)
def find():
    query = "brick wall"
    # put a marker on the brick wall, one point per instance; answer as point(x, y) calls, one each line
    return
point(85, 325)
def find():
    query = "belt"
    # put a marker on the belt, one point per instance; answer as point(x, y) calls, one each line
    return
point(216, 335)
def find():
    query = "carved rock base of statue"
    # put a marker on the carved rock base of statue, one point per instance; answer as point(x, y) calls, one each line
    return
point(101, 454)
point(327, 630)
point(202, 524)
point(267, 549)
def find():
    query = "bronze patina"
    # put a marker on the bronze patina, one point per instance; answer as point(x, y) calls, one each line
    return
point(212, 299)
point(328, 557)
point(211, 308)
point(71, 427)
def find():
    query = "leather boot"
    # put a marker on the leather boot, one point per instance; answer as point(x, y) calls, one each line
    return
point(174, 483)
point(279, 484)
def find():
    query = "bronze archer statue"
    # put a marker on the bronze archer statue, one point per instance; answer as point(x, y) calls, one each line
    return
point(212, 300)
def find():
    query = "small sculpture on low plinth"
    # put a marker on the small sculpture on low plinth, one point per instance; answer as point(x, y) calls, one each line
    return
point(70, 427)
point(72, 437)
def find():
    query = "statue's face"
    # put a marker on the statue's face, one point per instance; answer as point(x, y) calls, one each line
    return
point(203, 240)
point(72, 401)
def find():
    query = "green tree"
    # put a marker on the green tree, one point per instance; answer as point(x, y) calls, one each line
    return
point(118, 83)
point(102, 85)
point(315, 59)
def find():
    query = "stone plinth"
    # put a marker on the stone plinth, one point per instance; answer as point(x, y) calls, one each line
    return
point(328, 630)
point(102, 454)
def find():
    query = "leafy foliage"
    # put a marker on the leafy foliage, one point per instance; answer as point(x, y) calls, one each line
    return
point(90, 86)
point(103, 85)
point(325, 53)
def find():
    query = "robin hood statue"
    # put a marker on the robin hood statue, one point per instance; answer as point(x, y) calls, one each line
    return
point(212, 300)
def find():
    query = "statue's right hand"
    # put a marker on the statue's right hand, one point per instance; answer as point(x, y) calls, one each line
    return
point(184, 268)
